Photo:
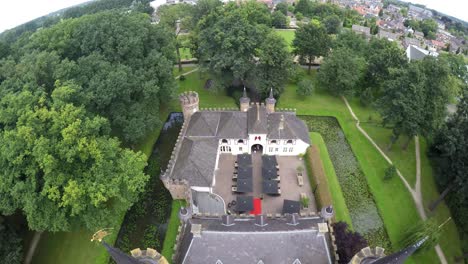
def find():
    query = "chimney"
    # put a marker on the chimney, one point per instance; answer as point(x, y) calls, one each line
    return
point(293, 219)
point(227, 220)
point(260, 220)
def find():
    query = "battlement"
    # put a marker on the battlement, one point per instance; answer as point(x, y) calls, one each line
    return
point(190, 97)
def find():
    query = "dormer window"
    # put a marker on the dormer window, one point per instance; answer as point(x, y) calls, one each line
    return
point(240, 141)
point(224, 141)
point(273, 142)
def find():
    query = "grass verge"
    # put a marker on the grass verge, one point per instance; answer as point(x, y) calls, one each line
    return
point(172, 230)
point(339, 204)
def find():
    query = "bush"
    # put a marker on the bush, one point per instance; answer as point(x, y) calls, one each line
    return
point(182, 78)
point(348, 243)
point(296, 74)
point(390, 172)
point(305, 88)
point(10, 244)
point(305, 201)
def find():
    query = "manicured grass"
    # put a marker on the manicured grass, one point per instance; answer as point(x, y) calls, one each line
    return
point(176, 71)
point(172, 230)
point(288, 35)
point(185, 54)
point(339, 204)
point(405, 161)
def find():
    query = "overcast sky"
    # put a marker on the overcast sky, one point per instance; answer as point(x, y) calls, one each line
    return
point(17, 12)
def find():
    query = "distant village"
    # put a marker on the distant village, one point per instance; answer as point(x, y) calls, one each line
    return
point(390, 21)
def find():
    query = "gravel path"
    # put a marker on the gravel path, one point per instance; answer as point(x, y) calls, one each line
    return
point(416, 192)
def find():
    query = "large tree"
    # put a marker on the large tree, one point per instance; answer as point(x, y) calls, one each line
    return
point(450, 150)
point(332, 24)
point(123, 63)
point(415, 98)
point(11, 248)
point(59, 166)
point(382, 55)
point(274, 60)
point(311, 41)
point(341, 71)
point(279, 20)
point(352, 41)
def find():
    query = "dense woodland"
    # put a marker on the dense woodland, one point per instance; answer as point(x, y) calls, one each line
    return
point(77, 95)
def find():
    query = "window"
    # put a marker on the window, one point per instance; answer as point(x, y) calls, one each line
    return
point(240, 148)
point(270, 150)
point(285, 149)
point(225, 149)
point(289, 141)
point(276, 149)
point(291, 149)
point(224, 141)
point(240, 141)
point(273, 142)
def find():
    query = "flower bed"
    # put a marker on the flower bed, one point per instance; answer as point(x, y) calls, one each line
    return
point(363, 210)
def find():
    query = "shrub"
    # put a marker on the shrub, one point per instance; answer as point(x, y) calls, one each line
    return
point(348, 243)
point(305, 201)
point(390, 172)
point(182, 78)
point(296, 73)
point(305, 87)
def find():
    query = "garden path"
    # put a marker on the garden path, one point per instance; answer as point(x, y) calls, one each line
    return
point(32, 247)
point(416, 192)
point(187, 73)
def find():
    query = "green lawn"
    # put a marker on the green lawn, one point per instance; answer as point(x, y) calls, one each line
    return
point(185, 54)
point(339, 204)
point(176, 71)
point(288, 35)
point(172, 229)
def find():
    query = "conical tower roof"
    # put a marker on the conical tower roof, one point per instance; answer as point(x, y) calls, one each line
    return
point(244, 98)
point(118, 256)
point(400, 256)
point(270, 99)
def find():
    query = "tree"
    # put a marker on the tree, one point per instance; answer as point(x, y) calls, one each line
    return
point(59, 166)
point(381, 12)
point(382, 56)
point(303, 7)
point(428, 27)
point(415, 99)
point(274, 62)
point(352, 41)
point(311, 41)
point(123, 63)
point(341, 72)
point(332, 24)
point(177, 18)
point(305, 88)
point(348, 243)
point(390, 172)
point(11, 248)
point(299, 16)
point(230, 41)
point(282, 7)
point(450, 149)
point(279, 20)
point(203, 8)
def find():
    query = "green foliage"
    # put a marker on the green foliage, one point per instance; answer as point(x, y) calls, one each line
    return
point(296, 74)
point(11, 248)
point(428, 230)
point(305, 201)
point(282, 7)
point(299, 16)
point(390, 173)
point(279, 20)
point(60, 167)
point(240, 47)
point(305, 88)
point(311, 41)
point(363, 211)
point(415, 98)
point(427, 26)
point(122, 62)
point(352, 41)
point(332, 24)
point(341, 72)
point(273, 66)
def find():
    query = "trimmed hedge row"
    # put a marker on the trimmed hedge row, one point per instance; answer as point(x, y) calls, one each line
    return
point(317, 178)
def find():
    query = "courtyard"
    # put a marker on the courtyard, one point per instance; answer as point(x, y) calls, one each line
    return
point(270, 204)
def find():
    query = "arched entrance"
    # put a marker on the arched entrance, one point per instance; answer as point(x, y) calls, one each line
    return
point(257, 148)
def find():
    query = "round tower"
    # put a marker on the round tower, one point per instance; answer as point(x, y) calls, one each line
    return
point(270, 102)
point(244, 102)
point(327, 212)
point(189, 103)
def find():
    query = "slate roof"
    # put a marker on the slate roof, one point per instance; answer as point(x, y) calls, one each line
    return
point(291, 128)
point(196, 161)
point(245, 242)
point(257, 120)
point(196, 152)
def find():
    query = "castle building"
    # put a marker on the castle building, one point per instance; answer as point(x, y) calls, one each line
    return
point(206, 134)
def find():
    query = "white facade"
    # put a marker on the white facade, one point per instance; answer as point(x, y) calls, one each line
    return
point(280, 147)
